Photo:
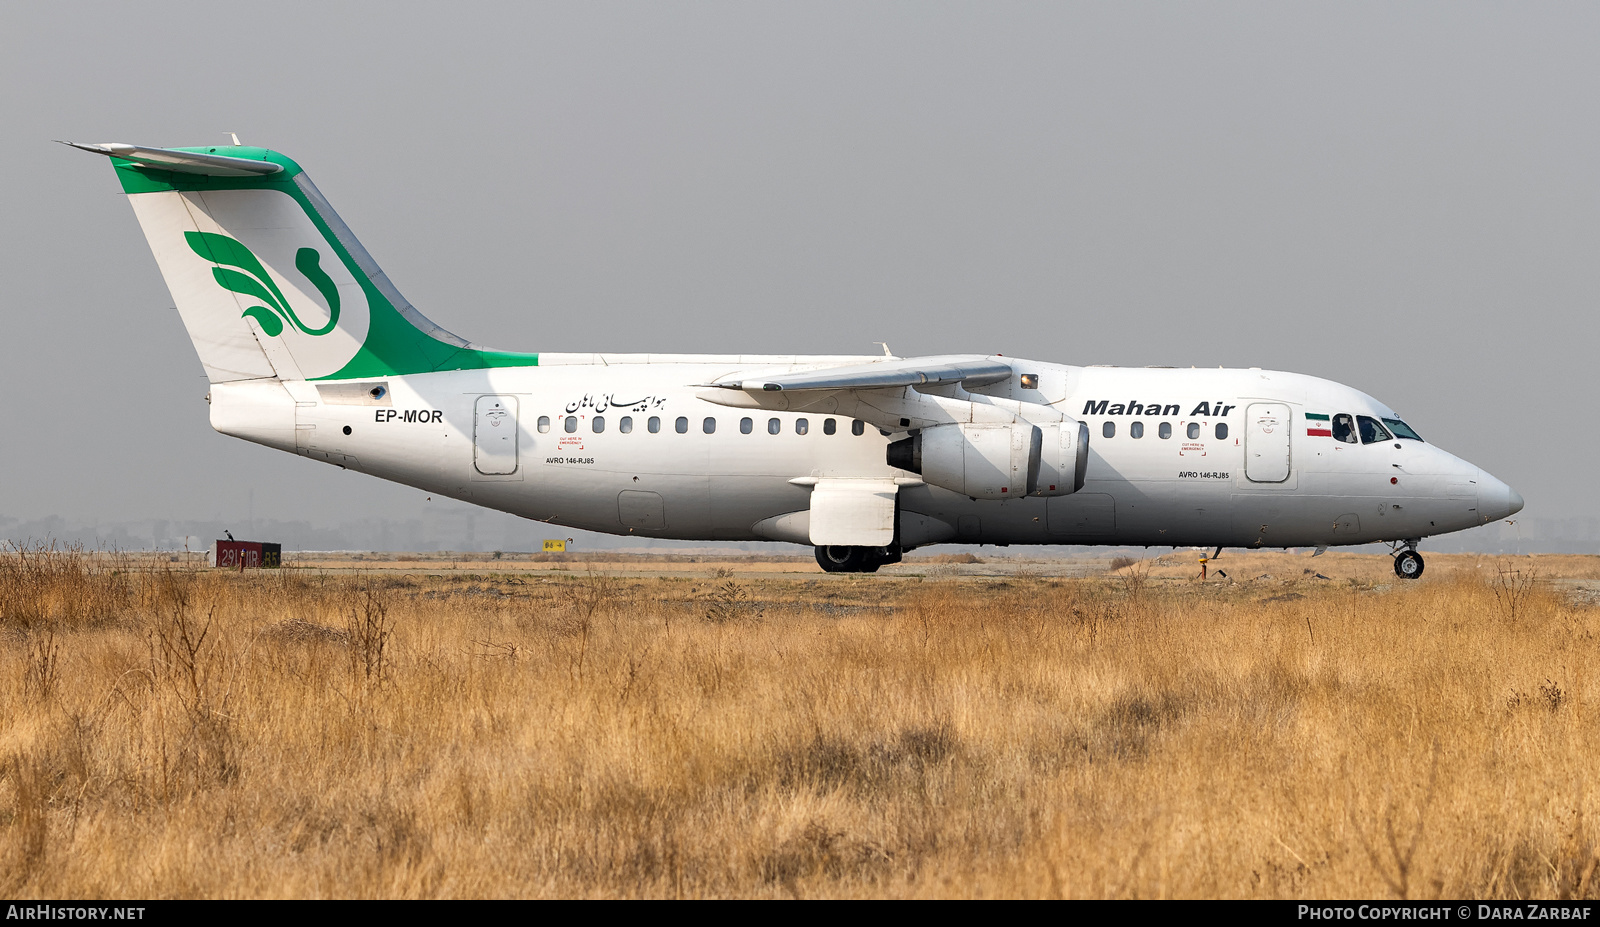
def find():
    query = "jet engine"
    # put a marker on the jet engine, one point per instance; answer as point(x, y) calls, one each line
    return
point(998, 461)
point(1063, 458)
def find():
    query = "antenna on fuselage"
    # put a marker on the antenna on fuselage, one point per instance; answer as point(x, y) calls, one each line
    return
point(885, 346)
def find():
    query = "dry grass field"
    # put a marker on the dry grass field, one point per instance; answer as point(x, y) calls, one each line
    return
point(578, 732)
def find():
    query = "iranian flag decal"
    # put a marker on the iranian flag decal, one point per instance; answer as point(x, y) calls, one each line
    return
point(1317, 425)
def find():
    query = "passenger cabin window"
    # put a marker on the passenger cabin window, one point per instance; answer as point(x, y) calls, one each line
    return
point(1401, 430)
point(544, 424)
point(1108, 430)
point(1371, 431)
point(1193, 431)
point(654, 424)
point(1030, 381)
point(1222, 431)
point(829, 426)
point(625, 425)
point(858, 427)
point(746, 426)
point(572, 424)
point(1165, 431)
point(774, 426)
point(1136, 430)
point(682, 425)
point(709, 426)
point(598, 423)
point(1343, 428)
point(801, 426)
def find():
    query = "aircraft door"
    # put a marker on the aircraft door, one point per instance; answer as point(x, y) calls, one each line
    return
point(494, 435)
point(1266, 442)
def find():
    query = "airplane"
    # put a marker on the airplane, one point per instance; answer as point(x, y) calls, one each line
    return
point(310, 349)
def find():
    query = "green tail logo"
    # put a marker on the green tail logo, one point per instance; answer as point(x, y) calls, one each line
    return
point(252, 280)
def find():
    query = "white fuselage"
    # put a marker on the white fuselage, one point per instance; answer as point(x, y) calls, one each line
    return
point(570, 442)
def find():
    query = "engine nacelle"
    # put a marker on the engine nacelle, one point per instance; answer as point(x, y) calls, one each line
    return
point(1063, 458)
point(995, 461)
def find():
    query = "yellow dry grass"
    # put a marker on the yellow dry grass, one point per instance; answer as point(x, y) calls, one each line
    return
point(306, 734)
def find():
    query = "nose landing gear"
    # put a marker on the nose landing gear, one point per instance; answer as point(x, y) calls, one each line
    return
point(1408, 563)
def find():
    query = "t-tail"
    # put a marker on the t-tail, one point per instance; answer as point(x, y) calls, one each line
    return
point(269, 280)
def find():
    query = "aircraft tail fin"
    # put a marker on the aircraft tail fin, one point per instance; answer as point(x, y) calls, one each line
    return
point(269, 280)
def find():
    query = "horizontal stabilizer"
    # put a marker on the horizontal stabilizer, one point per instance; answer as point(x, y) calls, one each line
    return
point(183, 162)
point(969, 370)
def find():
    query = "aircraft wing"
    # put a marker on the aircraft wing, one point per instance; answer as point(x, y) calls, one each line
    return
point(966, 369)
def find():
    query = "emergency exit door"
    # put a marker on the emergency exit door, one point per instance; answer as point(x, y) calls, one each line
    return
point(1266, 442)
point(494, 435)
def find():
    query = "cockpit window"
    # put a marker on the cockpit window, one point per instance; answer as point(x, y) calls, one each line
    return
point(1401, 429)
point(1344, 428)
point(1371, 431)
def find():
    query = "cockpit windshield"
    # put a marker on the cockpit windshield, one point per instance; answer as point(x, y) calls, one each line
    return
point(1401, 429)
point(1371, 431)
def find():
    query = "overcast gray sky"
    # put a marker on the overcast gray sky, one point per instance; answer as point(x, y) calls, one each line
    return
point(1401, 197)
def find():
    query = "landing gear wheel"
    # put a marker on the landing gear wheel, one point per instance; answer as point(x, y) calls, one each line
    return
point(838, 559)
point(1408, 565)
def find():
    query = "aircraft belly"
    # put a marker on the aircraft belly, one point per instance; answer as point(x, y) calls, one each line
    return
point(937, 515)
point(1277, 520)
point(737, 503)
point(1145, 509)
point(1202, 510)
point(674, 505)
point(1088, 516)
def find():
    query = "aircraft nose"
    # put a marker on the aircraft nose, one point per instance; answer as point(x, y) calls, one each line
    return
point(1496, 500)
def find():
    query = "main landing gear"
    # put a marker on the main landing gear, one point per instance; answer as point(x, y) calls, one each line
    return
point(837, 559)
point(1408, 563)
